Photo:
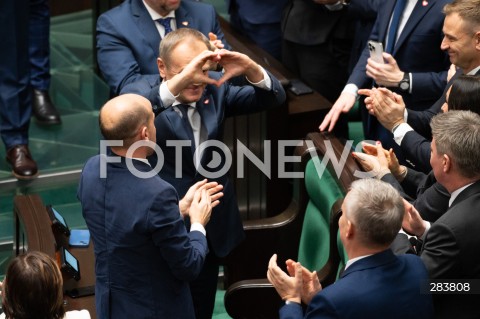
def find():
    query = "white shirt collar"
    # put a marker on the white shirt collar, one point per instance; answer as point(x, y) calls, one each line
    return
point(474, 71)
point(155, 15)
point(455, 194)
point(142, 160)
point(351, 261)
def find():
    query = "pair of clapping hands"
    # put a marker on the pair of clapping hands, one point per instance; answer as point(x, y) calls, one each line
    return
point(378, 161)
point(199, 201)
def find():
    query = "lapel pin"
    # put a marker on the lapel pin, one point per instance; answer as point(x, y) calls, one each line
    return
point(185, 23)
point(206, 101)
point(424, 3)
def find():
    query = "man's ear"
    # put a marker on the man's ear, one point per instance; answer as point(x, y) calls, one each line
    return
point(477, 40)
point(161, 68)
point(447, 163)
point(350, 229)
point(144, 133)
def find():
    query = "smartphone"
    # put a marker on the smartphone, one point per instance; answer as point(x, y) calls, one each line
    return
point(69, 264)
point(81, 291)
point(79, 238)
point(376, 51)
point(58, 222)
point(297, 87)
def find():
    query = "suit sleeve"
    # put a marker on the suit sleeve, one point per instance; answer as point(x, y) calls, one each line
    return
point(420, 120)
point(249, 99)
point(417, 149)
point(440, 252)
point(432, 202)
point(184, 252)
point(115, 59)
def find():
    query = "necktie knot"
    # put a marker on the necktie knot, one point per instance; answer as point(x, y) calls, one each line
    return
point(165, 22)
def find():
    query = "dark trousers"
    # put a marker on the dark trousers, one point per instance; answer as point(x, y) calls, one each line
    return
point(204, 288)
point(39, 44)
point(15, 105)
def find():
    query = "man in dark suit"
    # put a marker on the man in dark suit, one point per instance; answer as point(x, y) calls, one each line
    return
point(415, 67)
point(375, 283)
point(450, 247)
point(144, 256)
point(128, 36)
point(15, 100)
point(194, 104)
point(411, 127)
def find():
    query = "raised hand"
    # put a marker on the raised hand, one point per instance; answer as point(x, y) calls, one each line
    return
point(288, 287)
point(412, 221)
point(342, 105)
point(311, 284)
point(201, 207)
point(235, 64)
point(386, 74)
point(216, 44)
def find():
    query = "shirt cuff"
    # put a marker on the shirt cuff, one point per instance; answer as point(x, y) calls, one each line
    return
point(335, 7)
point(400, 131)
point(405, 115)
point(427, 227)
point(265, 84)
point(351, 88)
point(411, 83)
point(166, 96)
point(198, 227)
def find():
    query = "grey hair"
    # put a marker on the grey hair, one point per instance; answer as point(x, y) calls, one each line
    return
point(468, 10)
point(376, 209)
point(457, 134)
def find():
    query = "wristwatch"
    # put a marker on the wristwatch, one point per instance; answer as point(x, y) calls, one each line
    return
point(404, 83)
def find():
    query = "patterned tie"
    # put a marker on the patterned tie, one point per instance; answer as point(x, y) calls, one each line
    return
point(166, 24)
point(392, 32)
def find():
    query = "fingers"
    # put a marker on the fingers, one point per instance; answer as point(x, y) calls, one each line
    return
point(212, 36)
point(365, 92)
point(369, 148)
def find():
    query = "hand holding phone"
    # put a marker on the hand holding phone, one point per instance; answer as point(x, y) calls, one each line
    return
point(376, 51)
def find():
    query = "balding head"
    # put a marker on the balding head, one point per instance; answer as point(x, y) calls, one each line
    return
point(123, 117)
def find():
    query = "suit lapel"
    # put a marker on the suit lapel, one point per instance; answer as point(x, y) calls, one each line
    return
point(180, 126)
point(417, 14)
point(383, 28)
point(206, 108)
point(469, 191)
point(146, 25)
point(183, 19)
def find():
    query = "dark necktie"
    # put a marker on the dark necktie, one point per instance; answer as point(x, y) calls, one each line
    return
point(396, 17)
point(165, 22)
point(192, 117)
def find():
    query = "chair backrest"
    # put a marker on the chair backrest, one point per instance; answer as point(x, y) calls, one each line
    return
point(324, 189)
point(323, 192)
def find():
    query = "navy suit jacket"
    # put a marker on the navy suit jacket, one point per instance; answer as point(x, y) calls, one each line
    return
point(417, 51)
point(128, 40)
point(144, 256)
point(225, 229)
point(378, 286)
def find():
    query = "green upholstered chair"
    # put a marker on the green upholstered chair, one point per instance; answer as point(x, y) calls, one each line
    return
point(323, 192)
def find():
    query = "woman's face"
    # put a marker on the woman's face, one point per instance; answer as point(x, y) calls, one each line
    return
point(445, 105)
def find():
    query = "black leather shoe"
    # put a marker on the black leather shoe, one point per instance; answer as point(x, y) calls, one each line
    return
point(23, 165)
point(43, 108)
